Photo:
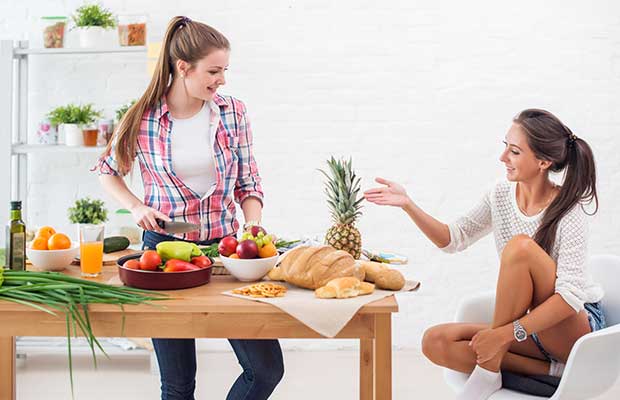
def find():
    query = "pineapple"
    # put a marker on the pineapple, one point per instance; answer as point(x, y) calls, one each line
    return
point(342, 188)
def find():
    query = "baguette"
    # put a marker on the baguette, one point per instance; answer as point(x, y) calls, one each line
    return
point(382, 276)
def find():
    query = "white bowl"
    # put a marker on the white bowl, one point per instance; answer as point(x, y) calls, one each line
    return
point(249, 270)
point(52, 260)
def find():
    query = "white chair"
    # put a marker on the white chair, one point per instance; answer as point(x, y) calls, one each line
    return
point(593, 365)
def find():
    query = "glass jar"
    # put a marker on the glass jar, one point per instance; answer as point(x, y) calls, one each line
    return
point(121, 223)
point(132, 30)
point(54, 31)
point(90, 134)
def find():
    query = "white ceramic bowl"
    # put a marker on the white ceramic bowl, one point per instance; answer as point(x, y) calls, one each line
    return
point(52, 260)
point(249, 270)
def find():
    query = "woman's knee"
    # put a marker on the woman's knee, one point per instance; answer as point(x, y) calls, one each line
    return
point(519, 248)
point(435, 344)
point(267, 363)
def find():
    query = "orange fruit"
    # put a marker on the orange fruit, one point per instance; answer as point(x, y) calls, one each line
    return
point(39, 243)
point(58, 241)
point(46, 232)
point(233, 255)
point(268, 250)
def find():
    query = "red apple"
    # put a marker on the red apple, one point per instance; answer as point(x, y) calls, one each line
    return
point(254, 229)
point(247, 249)
point(227, 246)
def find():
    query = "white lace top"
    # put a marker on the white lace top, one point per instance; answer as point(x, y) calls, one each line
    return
point(498, 212)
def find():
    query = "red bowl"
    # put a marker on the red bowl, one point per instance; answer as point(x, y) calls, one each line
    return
point(155, 280)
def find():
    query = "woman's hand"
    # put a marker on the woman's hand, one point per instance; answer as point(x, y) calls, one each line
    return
point(146, 217)
point(392, 194)
point(487, 343)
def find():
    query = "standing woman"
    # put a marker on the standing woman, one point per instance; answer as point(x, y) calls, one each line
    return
point(545, 299)
point(194, 148)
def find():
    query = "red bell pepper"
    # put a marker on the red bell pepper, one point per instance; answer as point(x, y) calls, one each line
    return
point(201, 261)
point(175, 265)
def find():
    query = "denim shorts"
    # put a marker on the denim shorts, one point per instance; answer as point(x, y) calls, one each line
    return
point(596, 318)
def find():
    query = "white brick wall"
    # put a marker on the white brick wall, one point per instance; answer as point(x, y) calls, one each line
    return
point(421, 92)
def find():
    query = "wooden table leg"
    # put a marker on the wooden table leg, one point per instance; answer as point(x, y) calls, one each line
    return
point(7, 368)
point(367, 379)
point(383, 356)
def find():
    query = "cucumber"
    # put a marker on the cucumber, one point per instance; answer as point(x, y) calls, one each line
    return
point(115, 243)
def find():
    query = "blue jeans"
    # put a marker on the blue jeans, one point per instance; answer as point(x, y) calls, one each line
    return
point(261, 360)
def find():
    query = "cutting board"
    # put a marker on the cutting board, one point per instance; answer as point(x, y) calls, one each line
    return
point(110, 258)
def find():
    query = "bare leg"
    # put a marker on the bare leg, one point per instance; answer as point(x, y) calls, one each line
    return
point(526, 278)
point(447, 345)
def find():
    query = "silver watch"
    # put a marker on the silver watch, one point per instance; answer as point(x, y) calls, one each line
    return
point(519, 331)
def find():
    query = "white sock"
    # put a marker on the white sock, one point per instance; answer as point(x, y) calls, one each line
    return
point(481, 384)
point(556, 369)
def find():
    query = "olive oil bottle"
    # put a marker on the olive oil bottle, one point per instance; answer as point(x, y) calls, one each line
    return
point(16, 239)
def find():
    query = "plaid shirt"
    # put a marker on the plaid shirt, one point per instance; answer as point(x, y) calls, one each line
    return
point(236, 171)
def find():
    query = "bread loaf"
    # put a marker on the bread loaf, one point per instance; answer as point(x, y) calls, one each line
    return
point(342, 288)
point(381, 275)
point(311, 267)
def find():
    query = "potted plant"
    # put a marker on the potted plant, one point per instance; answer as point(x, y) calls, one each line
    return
point(93, 23)
point(122, 110)
point(87, 211)
point(73, 118)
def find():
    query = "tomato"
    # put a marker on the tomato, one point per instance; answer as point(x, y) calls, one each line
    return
point(201, 261)
point(150, 260)
point(132, 264)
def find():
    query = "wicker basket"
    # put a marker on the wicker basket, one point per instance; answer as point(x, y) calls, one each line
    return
point(219, 270)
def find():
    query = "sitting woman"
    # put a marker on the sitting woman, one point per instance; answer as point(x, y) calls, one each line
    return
point(545, 299)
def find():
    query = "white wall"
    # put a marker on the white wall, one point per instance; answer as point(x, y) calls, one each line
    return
point(421, 92)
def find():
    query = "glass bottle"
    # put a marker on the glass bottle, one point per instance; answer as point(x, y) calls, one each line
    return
point(16, 239)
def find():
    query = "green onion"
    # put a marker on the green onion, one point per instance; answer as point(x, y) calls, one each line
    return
point(53, 292)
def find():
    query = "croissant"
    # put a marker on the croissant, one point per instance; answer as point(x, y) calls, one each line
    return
point(342, 288)
point(311, 267)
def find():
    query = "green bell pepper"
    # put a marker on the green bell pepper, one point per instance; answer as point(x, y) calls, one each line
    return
point(177, 250)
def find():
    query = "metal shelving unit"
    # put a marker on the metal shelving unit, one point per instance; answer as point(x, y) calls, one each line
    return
point(14, 57)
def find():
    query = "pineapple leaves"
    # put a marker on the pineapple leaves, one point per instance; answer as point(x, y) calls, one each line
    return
point(342, 188)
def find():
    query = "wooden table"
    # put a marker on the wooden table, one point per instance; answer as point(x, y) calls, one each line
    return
point(203, 312)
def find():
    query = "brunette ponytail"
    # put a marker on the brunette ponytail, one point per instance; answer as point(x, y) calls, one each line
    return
point(553, 141)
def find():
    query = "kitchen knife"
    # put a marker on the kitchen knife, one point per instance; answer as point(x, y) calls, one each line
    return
point(177, 227)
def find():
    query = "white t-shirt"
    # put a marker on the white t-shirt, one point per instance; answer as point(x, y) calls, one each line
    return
point(192, 148)
point(499, 213)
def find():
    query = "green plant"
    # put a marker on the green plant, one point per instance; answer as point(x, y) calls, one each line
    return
point(122, 110)
point(87, 211)
point(93, 15)
point(73, 114)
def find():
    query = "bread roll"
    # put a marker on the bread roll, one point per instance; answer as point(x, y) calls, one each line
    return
point(366, 288)
point(382, 275)
point(342, 288)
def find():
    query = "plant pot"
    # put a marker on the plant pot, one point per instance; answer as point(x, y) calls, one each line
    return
point(90, 136)
point(93, 36)
point(73, 135)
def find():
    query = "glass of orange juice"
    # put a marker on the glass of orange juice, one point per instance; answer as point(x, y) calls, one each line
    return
point(91, 249)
